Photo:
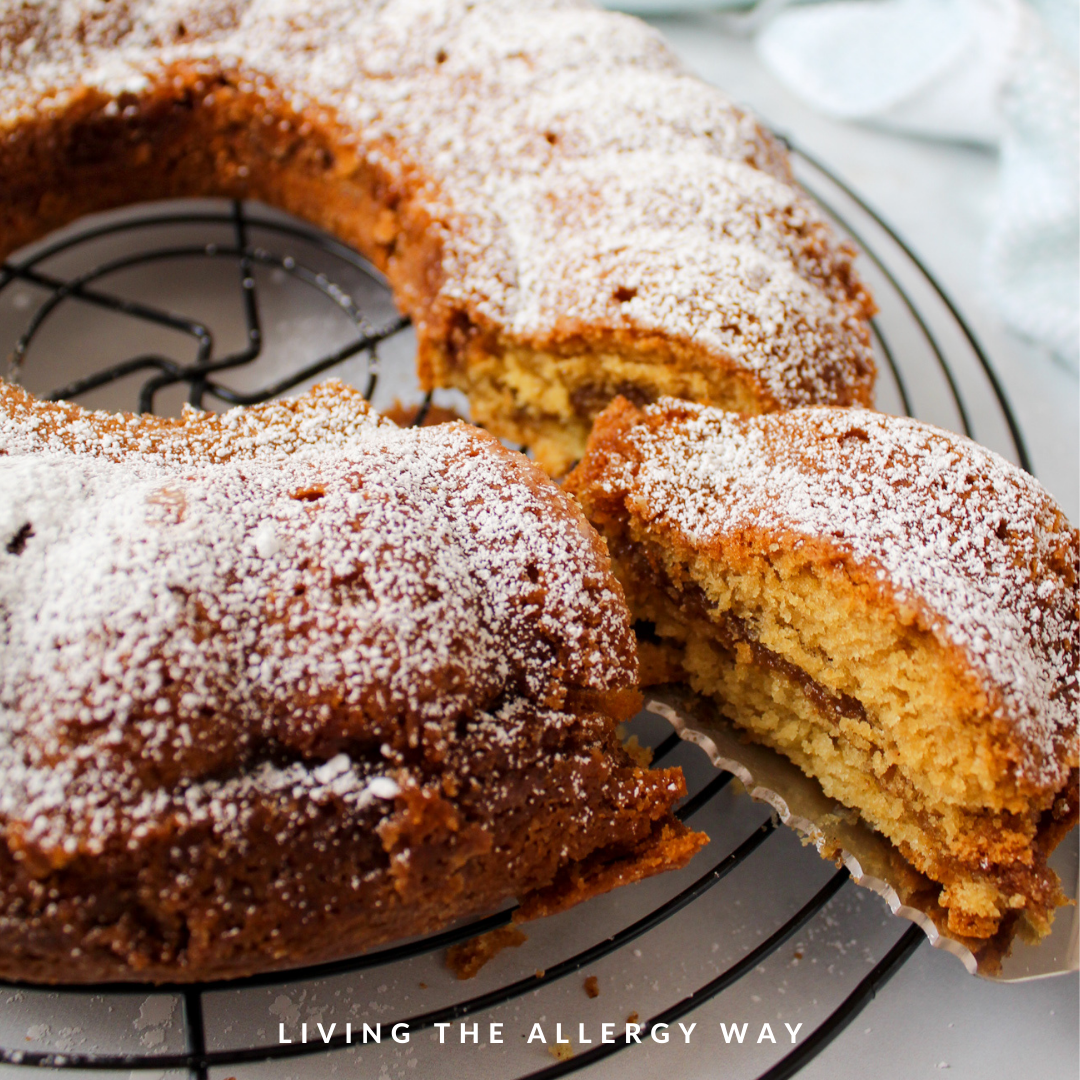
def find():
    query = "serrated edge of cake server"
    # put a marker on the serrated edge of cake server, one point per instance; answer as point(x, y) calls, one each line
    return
point(1036, 962)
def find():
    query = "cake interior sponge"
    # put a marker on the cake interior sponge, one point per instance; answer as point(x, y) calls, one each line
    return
point(892, 607)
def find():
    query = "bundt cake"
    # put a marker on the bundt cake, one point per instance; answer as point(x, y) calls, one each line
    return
point(282, 684)
point(891, 606)
point(562, 209)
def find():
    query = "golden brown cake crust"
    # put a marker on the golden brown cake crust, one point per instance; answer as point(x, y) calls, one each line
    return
point(561, 208)
point(285, 683)
point(970, 547)
point(894, 607)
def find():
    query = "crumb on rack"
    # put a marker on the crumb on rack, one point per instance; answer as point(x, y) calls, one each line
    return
point(592, 986)
point(561, 1051)
point(466, 959)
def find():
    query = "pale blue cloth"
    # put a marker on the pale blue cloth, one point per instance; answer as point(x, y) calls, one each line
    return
point(998, 72)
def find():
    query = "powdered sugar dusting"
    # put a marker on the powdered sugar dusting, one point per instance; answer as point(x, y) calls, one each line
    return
point(974, 543)
point(176, 596)
point(581, 180)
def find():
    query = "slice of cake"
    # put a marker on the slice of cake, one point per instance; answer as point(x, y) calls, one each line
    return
point(284, 684)
point(891, 606)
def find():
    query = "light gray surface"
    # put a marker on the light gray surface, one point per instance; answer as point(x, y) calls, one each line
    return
point(933, 1016)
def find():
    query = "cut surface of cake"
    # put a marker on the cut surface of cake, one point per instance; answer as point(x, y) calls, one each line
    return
point(282, 684)
point(891, 606)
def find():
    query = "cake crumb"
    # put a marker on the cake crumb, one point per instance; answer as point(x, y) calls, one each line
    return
point(592, 986)
point(466, 959)
point(405, 415)
point(632, 1018)
point(561, 1051)
point(641, 755)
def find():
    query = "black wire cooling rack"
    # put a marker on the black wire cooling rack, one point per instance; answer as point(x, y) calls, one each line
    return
point(931, 367)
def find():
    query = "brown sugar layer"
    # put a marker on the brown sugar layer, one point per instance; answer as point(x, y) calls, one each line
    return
point(891, 606)
point(563, 210)
point(286, 683)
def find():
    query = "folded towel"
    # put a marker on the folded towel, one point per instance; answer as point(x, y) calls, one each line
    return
point(985, 71)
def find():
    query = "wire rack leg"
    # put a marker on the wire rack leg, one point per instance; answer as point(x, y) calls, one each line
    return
point(195, 1033)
